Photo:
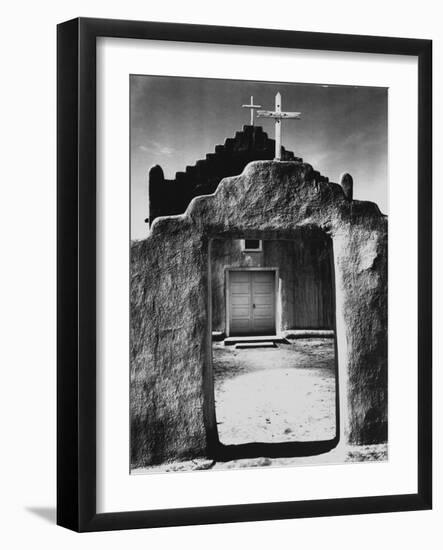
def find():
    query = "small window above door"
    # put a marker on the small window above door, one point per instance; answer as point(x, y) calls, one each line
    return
point(252, 245)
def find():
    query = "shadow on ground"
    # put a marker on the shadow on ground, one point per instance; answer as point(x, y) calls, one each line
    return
point(273, 450)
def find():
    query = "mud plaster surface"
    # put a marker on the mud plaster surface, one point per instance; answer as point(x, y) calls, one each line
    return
point(275, 395)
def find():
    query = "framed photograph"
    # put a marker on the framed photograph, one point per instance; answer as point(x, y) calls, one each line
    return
point(244, 274)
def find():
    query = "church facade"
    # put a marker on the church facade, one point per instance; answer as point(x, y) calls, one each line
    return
point(266, 287)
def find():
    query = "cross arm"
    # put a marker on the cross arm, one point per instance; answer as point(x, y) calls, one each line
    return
point(276, 114)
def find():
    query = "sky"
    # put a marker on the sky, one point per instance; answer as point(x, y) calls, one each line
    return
point(175, 121)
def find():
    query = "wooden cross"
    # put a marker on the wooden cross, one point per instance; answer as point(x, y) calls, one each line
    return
point(279, 116)
point(252, 107)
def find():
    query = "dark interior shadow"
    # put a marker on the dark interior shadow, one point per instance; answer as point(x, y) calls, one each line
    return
point(46, 513)
point(272, 450)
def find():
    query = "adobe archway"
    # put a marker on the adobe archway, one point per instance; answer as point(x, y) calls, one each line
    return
point(172, 409)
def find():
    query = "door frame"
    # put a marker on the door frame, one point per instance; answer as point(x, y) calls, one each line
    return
point(277, 308)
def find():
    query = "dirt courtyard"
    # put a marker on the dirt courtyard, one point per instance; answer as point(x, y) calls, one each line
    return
point(275, 395)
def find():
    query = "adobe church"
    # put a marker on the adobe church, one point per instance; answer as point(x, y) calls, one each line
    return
point(252, 241)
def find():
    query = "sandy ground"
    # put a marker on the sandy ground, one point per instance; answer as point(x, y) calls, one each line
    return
point(275, 395)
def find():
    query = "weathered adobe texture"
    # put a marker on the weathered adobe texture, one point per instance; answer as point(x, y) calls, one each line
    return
point(169, 197)
point(172, 403)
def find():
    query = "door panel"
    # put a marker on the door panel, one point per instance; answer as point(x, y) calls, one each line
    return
point(252, 302)
point(240, 298)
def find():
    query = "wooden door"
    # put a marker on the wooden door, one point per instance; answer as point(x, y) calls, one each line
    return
point(251, 303)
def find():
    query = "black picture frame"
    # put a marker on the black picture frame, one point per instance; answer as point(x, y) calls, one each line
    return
point(76, 295)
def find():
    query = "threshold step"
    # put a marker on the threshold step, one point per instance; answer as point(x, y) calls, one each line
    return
point(232, 340)
point(254, 345)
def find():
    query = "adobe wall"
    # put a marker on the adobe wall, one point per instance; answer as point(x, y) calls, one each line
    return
point(305, 273)
point(172, 402)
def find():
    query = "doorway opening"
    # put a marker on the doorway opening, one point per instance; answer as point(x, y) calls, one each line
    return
point(274, 359)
